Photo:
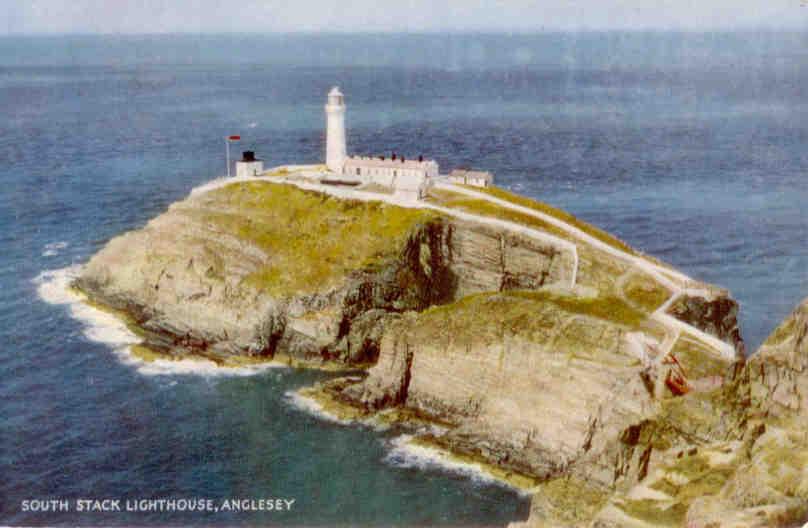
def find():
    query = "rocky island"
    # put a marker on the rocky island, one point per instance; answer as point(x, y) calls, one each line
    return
point(611, 386)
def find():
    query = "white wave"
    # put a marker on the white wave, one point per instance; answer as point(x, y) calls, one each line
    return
point(403, 451)
point(53, 249)
point(199, 367)
point(407, 454)
point(313, 407)
point(252, 125)
point(53, 287)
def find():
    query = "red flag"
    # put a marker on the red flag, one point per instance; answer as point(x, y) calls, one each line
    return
point(234, 138)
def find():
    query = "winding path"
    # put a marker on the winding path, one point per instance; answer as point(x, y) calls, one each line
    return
point(678, 283)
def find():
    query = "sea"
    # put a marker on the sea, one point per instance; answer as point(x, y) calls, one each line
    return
point(692, 147)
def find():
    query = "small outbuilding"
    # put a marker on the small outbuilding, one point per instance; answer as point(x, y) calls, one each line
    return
point(249, 166)
point(471, 177)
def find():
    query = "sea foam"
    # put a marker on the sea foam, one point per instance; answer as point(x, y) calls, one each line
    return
point(402, 450)
point(53, 287)
point(406, 453)
point(53, 249)
point(313, 407)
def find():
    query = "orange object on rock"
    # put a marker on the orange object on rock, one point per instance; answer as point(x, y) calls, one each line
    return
point(677, 383)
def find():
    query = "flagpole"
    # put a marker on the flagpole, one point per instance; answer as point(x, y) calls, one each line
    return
point(227, 149)
point(227, 140)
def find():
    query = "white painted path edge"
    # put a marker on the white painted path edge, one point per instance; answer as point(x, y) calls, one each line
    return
point(675, 281)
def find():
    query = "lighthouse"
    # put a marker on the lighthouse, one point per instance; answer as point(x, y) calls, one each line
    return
point(335, 150)
point(409, 179)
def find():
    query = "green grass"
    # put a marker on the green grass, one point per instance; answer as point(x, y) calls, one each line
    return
point(533, 315)
point(653, 512)
point(643, 291)
point(564, 216)
point(609, 309)
point(312, 240)
point(485, 208)
point(570, 500)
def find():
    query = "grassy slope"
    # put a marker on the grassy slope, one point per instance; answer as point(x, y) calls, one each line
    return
point(312, 240)
point(641, 289)
point(564, 216)
point(522, 313)
point(334, 236)
point(485, 208)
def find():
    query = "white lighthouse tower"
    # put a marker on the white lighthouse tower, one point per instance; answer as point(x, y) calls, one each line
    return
point(335, 151)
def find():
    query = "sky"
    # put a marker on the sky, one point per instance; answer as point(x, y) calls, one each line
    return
point(200, 16)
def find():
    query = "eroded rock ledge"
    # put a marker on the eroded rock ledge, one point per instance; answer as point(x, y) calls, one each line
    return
point(617, 418)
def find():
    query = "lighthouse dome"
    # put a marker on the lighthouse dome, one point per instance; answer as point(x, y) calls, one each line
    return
point(335, 97)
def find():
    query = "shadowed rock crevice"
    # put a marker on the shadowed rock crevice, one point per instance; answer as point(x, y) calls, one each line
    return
point(716, 315)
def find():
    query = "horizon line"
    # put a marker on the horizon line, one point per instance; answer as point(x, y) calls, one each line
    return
point(423, 32)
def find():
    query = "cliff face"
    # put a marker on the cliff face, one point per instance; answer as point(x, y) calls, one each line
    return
point(259, 268)
point(770, 484)
point(526, 379)
point(556, 359)
point(778, 373)
point(744, 465)
point(568, 392)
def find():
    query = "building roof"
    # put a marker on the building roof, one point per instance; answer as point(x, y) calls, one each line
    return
point(387, 163)
point(463, 173)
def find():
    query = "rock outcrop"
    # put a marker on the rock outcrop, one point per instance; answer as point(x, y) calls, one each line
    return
point(713, 312)
point(733, 457)
point(769, 486)
point(256, 268)
point(578, 372)
point(481, 363)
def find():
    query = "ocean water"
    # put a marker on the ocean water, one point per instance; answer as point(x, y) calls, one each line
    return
point(691, 147)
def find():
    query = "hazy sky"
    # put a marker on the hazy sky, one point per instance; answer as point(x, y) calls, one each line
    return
point(158, 16)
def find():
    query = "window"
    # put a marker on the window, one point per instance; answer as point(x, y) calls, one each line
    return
point(358, 171)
